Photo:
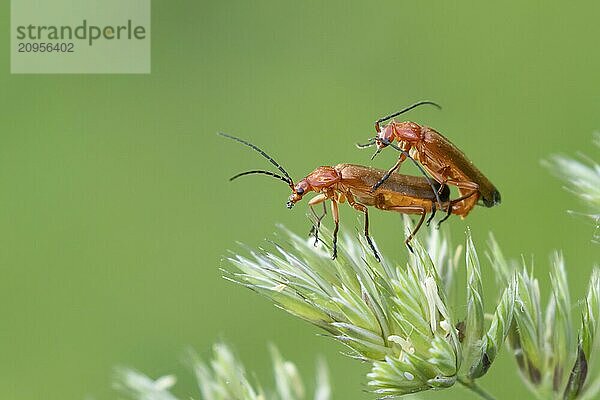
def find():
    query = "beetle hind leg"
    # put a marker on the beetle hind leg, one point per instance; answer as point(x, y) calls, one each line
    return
point(414, 232)
point(411, 210)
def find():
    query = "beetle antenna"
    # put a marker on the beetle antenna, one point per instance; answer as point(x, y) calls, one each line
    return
point(420, 103)
point(259, 171)
point(262, 153)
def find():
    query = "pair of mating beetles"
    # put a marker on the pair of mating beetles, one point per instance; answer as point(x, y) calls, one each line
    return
point(364, 187)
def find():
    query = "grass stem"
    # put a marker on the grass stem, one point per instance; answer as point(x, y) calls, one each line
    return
point(474, 387)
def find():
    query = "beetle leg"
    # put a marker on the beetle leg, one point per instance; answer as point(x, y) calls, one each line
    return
point(448, 214)
point(470, 188)
point(414, 232)
point(314, 231)
point(317, 199)
point(433, 209)
point(464, 184)
point(461, 198)
point(459, 206)
point(405, 154)
point(336, 220)
point(363, 209)
point(387, 174)
point(411, 210)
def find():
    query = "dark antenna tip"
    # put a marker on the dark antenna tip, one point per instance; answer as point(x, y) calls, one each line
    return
point(433, 103)
point(261, 152)
point(263, 172)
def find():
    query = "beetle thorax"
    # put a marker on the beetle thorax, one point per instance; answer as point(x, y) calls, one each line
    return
point(407, 132)
point(323, 178)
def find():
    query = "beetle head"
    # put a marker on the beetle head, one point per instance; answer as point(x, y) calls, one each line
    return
point(384, 138)
point(401, 131)
point(298, 192)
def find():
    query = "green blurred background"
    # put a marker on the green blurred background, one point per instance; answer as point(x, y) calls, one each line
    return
point(114, 200)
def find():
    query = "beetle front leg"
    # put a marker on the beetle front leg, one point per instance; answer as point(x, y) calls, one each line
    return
point(318, 218)
point(336, 220)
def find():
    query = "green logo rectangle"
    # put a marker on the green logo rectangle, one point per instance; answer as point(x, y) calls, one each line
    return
point(80, 36)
